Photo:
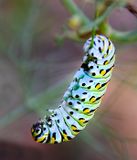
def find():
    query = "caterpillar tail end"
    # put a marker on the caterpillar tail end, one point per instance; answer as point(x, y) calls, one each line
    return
point(39, 132)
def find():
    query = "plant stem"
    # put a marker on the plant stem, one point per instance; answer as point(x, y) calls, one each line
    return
point(130, 36)
point(73, 9)
point(98, 21)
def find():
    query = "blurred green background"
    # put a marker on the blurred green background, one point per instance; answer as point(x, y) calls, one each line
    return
point(35, 72)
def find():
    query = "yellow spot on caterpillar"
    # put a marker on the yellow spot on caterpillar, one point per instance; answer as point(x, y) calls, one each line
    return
point(74, 128)
point(106, 62)
point(35, 134)
point(65, 137)
point(103, 39)
point(103, 72)
point(52, 140)
point(32, 130)
point(82, 120)
point(86, 111)
point(103, 49)
point(98, 86)
point(110, 47)
point(92, 100)
point(111, 69)
point(40, 139)
point(105, 55)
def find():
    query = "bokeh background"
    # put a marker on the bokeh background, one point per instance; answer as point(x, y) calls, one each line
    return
point(35, 71)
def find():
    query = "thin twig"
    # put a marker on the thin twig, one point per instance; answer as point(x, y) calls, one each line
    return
point(130, 36)
point(99, 20)
point(74, 9)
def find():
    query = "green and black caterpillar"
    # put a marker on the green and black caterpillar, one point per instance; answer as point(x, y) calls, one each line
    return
point(82, 97)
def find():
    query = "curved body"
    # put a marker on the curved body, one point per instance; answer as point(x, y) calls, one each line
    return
point(82, 97)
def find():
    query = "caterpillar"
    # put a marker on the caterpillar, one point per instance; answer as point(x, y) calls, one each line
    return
point(82, 97)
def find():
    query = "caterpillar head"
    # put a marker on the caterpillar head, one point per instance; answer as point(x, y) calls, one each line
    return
point(40, 132)
point(101, 47)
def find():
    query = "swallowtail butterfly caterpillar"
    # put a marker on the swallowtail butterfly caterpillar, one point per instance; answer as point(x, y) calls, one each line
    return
point(82, 97)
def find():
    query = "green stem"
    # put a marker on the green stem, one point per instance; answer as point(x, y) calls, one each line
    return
point(99, 20)
point(130, 36)
point(73, 9)
point(94, 29)
point(70, 35)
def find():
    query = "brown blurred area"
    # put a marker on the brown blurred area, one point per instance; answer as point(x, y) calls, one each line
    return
point(31, 63)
